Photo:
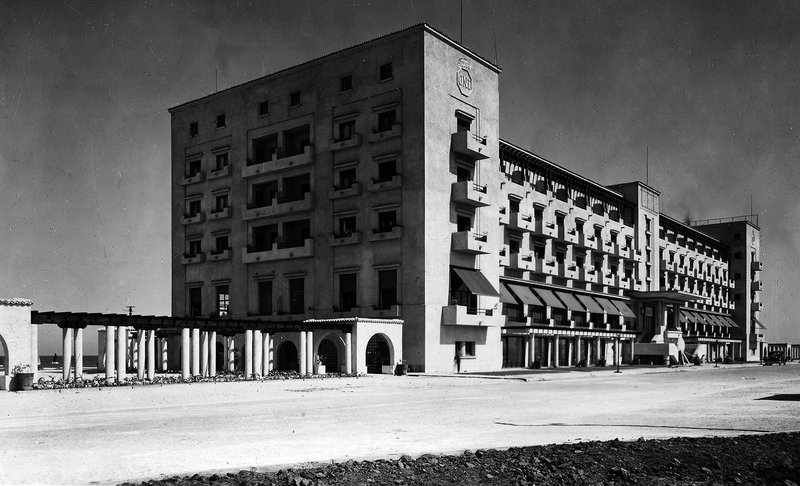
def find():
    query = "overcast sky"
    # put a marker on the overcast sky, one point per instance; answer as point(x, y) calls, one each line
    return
point(710, 87)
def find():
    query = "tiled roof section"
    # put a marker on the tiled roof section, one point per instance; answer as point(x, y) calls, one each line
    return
point(384, 36)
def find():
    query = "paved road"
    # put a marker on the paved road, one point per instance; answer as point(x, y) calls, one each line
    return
point(112, 435)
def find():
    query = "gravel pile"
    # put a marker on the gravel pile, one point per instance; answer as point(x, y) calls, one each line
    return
point(772, 459)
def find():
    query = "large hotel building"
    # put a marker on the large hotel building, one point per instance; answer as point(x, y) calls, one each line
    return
point(372, 184)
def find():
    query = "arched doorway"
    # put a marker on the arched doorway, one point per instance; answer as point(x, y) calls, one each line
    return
point(4, 360)
point(287, 357)
point(378, 354)
point(330, 355)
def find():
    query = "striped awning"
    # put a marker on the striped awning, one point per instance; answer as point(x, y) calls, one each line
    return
point(732, 323)
point(590, 304)
point(684, 317)
point(623, 307)
point(506, 296)
point(549, 298)
point(571, 301)
point(525, 295)
point(698, 319)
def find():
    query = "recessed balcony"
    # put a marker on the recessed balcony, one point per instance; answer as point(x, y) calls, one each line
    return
point(757, 306)
point(280, 161)
point(354, 141)
point(549, 230)
point(277, 208)
point(379, 135)
point(381, 235)
point(522, 261)
point(470, 193)
point(467, 143)
point(350, 239)
point(469, 242)
point(521, 221)
point(459, 315)
point(278, 252)
point(216, 256)
point(757, 285)
point(193, 178)
point(192, 218)
point(189, 258)
point(338, 193)
point(384, 185)
point(219, 173)
point(757, 266)
point(219, 213)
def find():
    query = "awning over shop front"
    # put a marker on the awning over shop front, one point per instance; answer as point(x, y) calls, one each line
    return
point(758, 324)
point(571, 301)
point(607, 306)
point(549, 298)
point(716, 320)
point(684, 317)
point(591, 305)
point(525, 294)
point(623, 307)
point(732, 323)
point(505, 295)
point(476, 282)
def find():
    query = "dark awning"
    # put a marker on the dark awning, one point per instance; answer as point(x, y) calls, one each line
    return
point(684, 317)
point(506, 296)
point(698, 319)
point(549, 298)
point(590, 304)
point(758, 323)
point(571, 301)
point(731, 322)
point(607, 306)
point(623, 307)
point(525, 294)
point(476, 282)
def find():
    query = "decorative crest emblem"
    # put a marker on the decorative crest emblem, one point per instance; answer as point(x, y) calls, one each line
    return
point(463, 78)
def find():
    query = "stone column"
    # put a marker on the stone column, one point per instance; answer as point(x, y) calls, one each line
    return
point(67, 344)
point(311, 355)
point(204, 353)
point(78, 353)
point(231, 356)
point(555, 351)
point(266, 345)
point(151, 354)
point(631, 351)
point(212, 357)
point(597, 345)
point(248, 353)
point(578, 350)
point(122, 353)
point(141, 354)
point(164, 354)
point(676, 316)
point(570, 352)
point(258, 353)
point(532, 348)
point(348, 352)
point(186, 349)
point(111, 332)
point(303, 350)
point(195, 351)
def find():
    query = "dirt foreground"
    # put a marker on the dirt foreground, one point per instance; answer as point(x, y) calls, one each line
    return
point(754, 459)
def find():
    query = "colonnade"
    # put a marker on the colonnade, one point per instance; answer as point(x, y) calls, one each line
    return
point(590, 348)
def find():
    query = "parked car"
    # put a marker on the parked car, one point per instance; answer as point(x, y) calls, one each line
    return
point(775, 357)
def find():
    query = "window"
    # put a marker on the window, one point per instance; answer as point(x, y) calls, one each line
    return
point(386, 221)
point(294, 99)
point(222, 161)
point(264, 237)
point(193, 248)
point(463, 172)
point(347, 177)
point(265, 298)
point(221, 121)
point(195, 307)
point(560, 221)
point(193, 129)
point(263, 108)
point(221, 244)
point(192, 208)
point(223, 300)
point(513, 205)
point(264, 148)
point(386, 120)
point(386, 71)
point(538, 252)
point(560, 256)
point(193, 167)
point(463, 123)
point(296, 296)
point(347, 291)
point(220, 202)
point(463, 222)
point(345, 83)
point(386, 170)
point(465, 349)
point(347, 226)
point(346, 130)
point(513, 245)
point(387, 288)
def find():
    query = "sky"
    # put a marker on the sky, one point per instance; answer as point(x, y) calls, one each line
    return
point(707, 90)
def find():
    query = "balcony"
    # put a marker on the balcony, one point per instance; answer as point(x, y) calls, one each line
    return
point(216, 256)
point(280, 161)
point(278, 252)
point(504, 219)
point(338, 193)
point(192, 218)
point(757, 306)
point(757, 266)
point(277, 208)
point(381, 235)
point(188, 258)
point(394, 183)
point(550, 230)
point(588, 241)
point(469, 144)
point(521, 221)
point(377, 136)
point(505, 258)
point(193, 179)
point(339, 240)
point(732, 284)
point(568, 235)
point(459, 315)
point(219, 173)
point(469, 242)
point(522, 262)
point(354, 141)
point(219, 213)
point(758, 285)
point(468, 192)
